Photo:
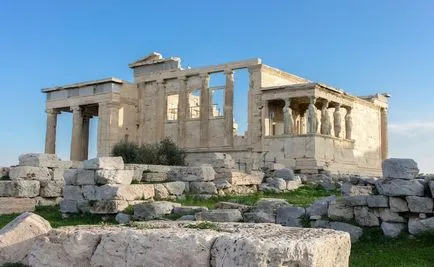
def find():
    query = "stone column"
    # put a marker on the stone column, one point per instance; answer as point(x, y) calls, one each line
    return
point(288, 124)
point(50, 135)
point(108, 128)
point(161, 110)
point(229, 108)
point(296, 119)
point(77, 133)
point(183, 106)
point(312, 120)
point(337, 118)
point(204, 110)
point(384, 134)
point(348, 124)
point(325, 119)
point(85, 139)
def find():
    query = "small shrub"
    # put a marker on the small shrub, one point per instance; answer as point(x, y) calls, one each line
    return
point(164, 153)
point(5, 178)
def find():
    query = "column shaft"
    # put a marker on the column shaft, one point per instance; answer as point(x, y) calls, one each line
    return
point(85, 139)
point(337, 118)
point(161, 110)
point(204, 111)
point(348, 124)
point(229, 109)
point(182, 111)
point(312, 121)
point(77, 131)
point(288, 124)
point(384, 134)
point(108, 128)
point(50, 135)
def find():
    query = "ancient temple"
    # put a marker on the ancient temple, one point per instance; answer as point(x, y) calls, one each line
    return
point(310, 127)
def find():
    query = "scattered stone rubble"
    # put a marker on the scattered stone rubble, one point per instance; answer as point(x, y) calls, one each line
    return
point(29, 240)
point(37, 180)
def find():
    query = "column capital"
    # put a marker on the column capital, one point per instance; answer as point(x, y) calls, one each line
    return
point(52, 111)
point(75, 108)
point(229, 72)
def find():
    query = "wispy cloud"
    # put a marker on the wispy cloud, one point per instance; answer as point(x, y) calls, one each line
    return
point(412, 128)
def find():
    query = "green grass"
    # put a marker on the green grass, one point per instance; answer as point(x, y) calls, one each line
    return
point(302, 196)
point(53, 215)
point(374, 249)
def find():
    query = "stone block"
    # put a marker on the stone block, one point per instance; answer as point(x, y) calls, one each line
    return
point(7, 188)
point(108, 206)
point(47, 201)
point(323, 180)
point(241, 178)
point(17, 237)
point(354, 231)
point(202, 188)
point(284, 173)
point(420, 204)
point(259, 216)
point(188, 210)
point(73, 192)
point(68, 206)
point(29, 173)
point(85, 177)
point(392, 230)
point(9, 205)
point(398, 204)
point(160, 168)
point(175, 188)
point(153, 210)
point(270, 205)
point(152, 177)
point(294, 184)
point(91, 192)
point(431, 187)
point(70, 176)
point(187, 218)
point(222, 184)
point(123, 218)
point(400, 169)
point(365, 217)
point(230, 205)
point(57, 174)
point(52, 188)
point(355, 190)
point(400, 187)
point(377, 201)
point(160, 192)
point(4, 172)
point(278, 183)
point(338, 210)
point(387, 215)
point(104, 163)
point(220, 215)
point(320, 206)
point(126, 192)
point(39, 160)
point(352, 201)
point(290, 216)
point(114, 176)
point(418, 226)
point(26, 188)
point(201, 173)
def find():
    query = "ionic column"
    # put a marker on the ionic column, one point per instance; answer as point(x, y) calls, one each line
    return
point(108, 128)
point(337, 118)
point(288, 124)
point(204, 110)
point(348, 124)
point(85, 138)
point(50, 134)
point(228, 109)
point(312, 120)
point(77, 133)
point(161, 110)
point(183, 106)
point(325, 119)
point(384, 134)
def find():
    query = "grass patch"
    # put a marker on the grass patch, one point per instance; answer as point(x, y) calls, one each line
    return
point(374, 249)
point(302, 196)
point(54, 216)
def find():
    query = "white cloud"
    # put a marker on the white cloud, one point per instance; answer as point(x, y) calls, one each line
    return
point(410, 128)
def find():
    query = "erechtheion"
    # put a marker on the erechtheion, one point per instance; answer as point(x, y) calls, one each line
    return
point(304, 125)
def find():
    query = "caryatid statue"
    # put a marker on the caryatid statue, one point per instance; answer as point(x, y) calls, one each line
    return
point(288, 124)
point(337, 118)
point(325, 119)
point(312, 120)
point(348, 124)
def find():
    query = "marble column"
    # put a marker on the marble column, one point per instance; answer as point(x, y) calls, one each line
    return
point(77, 133)
point(183, 106)
point(325, 119)
point(85, 139)
point(337, 118)
point(384, 134)
point(296, 119)
point(229, 108)
point(204, 110)
point(312, 120)
point(50, 135)
point(108, 128)
point(288, 124)
point(348, 124)
point(161, 110)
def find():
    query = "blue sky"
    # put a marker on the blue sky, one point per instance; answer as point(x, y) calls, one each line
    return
point(362, 47)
